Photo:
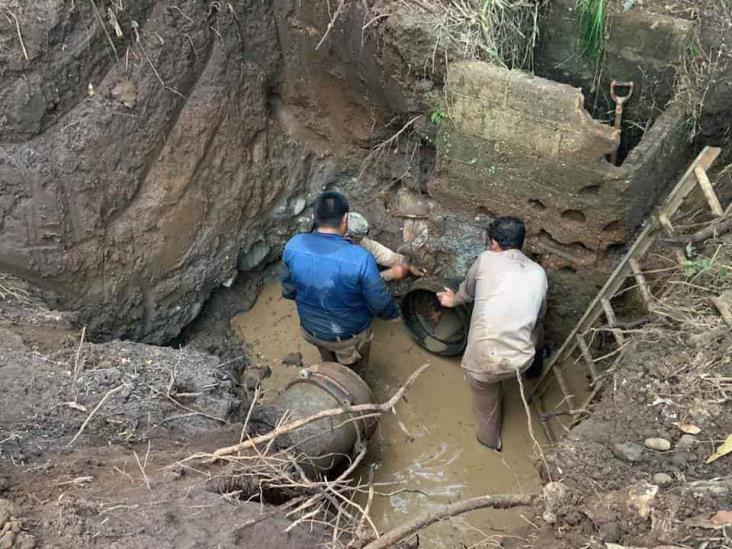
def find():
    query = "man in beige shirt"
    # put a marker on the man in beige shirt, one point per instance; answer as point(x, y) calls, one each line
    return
point(509, 295)
point(397, 266)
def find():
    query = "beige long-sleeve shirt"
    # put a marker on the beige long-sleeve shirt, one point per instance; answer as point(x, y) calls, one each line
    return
point(383, 255)
point(509, 295)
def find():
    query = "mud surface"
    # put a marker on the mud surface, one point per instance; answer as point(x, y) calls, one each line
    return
point(90, 437)
point(439, 461)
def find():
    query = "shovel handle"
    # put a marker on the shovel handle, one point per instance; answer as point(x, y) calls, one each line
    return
point(620, 99)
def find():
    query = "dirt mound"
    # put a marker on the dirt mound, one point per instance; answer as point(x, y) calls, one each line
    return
point(90, 437)
point(640, 466)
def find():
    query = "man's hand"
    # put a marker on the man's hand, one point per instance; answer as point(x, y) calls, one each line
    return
point(446, 298)
point(397, 272)
point(416, 271)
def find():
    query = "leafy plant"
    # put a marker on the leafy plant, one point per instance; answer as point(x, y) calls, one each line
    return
point(437, 116)
point(591, 15)
point(693, 267)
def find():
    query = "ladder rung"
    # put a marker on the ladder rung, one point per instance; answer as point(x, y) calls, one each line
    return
point(708, 190)
point(539, 405)
point(611, 320)
point(587, 401)
point(563, 387)
point(642, 282)
point(587, 356)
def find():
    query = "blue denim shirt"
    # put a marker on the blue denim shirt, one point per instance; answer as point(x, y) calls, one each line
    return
point(336, 285)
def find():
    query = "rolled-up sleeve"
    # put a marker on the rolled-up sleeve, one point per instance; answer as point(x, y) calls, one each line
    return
point(380, 303)
point(466, 292)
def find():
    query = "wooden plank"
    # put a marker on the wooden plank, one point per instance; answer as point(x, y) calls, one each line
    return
point(666, 224)
point(612, 321)
point(587, 356)
point(688, 181)
point(563, 387)
point(640, 278)
point(708, 190)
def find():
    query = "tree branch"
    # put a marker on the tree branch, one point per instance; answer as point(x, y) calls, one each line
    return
point(408, 529)
point(298, 423)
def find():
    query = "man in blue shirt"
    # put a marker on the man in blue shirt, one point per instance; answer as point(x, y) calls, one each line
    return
point(336, 285)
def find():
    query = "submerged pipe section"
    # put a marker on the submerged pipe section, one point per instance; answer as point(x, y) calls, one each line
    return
point(438, 329)
point(323, 444)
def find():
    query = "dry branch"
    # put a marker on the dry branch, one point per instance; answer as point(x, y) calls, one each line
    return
point(714, 230)
point(94, 411)
point(408, 529)
point(334, 412)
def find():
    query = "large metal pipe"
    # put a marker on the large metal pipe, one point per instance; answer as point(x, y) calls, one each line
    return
point(322, 444)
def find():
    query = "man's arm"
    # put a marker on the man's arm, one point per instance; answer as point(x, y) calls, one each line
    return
point(288, 288)
point(378, 299)
point(383, 255)
point(466, 291)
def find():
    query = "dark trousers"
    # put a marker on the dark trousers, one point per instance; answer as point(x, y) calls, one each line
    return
point(488, 409)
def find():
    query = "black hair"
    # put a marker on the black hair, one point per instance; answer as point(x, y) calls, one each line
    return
point(330, 207)
point(508, 232)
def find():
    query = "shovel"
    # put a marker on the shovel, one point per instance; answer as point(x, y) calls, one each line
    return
point(619, 99)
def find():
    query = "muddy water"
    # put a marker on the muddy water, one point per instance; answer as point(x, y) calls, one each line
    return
point(441, 461)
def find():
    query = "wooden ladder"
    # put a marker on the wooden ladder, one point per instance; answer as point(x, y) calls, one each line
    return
point(576, 347)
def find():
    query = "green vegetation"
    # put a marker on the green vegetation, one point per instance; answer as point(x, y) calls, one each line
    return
point(437, 116)
point(591, 16)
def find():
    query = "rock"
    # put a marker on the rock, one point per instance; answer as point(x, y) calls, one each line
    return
point(25, 541)
point(252, 257)
point(555, 496)
point(662, 479)
point(656, 443)
point(6, 540)
point(7, 511)
point(126, 93)
point(686, 442)
point(640, 498)
point(628, 451)
point(293, 359)
point(681, 459)
point(611, 532)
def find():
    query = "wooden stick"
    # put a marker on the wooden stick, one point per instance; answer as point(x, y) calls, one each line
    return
point(708, 190)
point(298, 423)
point(410, 528)
point(94, 411)
point(714, 230)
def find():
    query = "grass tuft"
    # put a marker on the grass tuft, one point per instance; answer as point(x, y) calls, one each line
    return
point(591, 15)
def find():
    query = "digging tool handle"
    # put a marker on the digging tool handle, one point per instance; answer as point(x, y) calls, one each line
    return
point(619, 100)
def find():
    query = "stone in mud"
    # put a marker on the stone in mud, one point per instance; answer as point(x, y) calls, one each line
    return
point(657, 443)
point(555, 497)
point(611, 532)
point(293, 359)
point(662, 479)
point(681, 459)
point(641, 497)
point(126, 93)
point(629, 451)
point(686, 442)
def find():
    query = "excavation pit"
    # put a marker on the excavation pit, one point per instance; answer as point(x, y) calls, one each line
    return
point(434, 459)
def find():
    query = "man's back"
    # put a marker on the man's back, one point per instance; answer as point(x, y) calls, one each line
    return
point(510, 292)
point(335, 284)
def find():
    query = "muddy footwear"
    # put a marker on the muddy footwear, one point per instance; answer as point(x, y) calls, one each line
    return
point(537, 366)
point(497, 448)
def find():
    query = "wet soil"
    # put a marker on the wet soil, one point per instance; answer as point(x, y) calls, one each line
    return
point(439, 460)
